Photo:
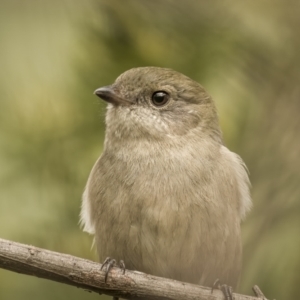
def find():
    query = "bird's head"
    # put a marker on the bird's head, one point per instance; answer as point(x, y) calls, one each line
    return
point(158, 102)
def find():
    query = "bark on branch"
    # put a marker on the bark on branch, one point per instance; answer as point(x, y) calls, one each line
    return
point(86, 274)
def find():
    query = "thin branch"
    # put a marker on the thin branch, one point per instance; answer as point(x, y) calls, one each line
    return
point(86, 274)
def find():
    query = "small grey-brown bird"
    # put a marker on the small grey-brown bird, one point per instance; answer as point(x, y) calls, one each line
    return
point(166, 196)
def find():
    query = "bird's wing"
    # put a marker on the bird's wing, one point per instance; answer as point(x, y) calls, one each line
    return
point(241, 174)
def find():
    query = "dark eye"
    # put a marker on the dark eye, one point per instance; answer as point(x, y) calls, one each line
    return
point(160, 98)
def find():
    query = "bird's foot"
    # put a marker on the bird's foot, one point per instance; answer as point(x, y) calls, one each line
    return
point(224, 288)
point(109, 263)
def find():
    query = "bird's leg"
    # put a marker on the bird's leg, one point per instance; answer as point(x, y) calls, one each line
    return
point(109, 263)
point(224, 288)
point(122, 266)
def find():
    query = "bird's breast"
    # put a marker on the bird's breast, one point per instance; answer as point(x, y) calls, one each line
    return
point(158, 208)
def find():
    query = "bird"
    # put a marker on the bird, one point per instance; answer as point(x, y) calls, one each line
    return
point(166, 196)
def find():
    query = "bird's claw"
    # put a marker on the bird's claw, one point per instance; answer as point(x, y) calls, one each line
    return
point(109, 263)
point(224, 288)
point(122, 265)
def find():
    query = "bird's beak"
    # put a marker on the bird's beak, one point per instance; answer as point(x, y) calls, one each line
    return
point(108, 94)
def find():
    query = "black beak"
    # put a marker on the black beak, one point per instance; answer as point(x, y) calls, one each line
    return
point(107, 94)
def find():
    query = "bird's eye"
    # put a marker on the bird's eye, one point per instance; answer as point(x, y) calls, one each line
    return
point(160, 98)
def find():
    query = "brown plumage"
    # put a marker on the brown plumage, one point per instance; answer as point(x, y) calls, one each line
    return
point(166, 195)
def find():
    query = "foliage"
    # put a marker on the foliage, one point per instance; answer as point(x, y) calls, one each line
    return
point(54, 54)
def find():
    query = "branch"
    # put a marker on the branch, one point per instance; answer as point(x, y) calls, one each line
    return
point(86, 274)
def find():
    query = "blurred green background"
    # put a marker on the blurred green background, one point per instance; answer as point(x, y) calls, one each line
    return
point(54, 54)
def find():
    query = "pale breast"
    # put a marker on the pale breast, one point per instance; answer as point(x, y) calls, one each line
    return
point(175, 221)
